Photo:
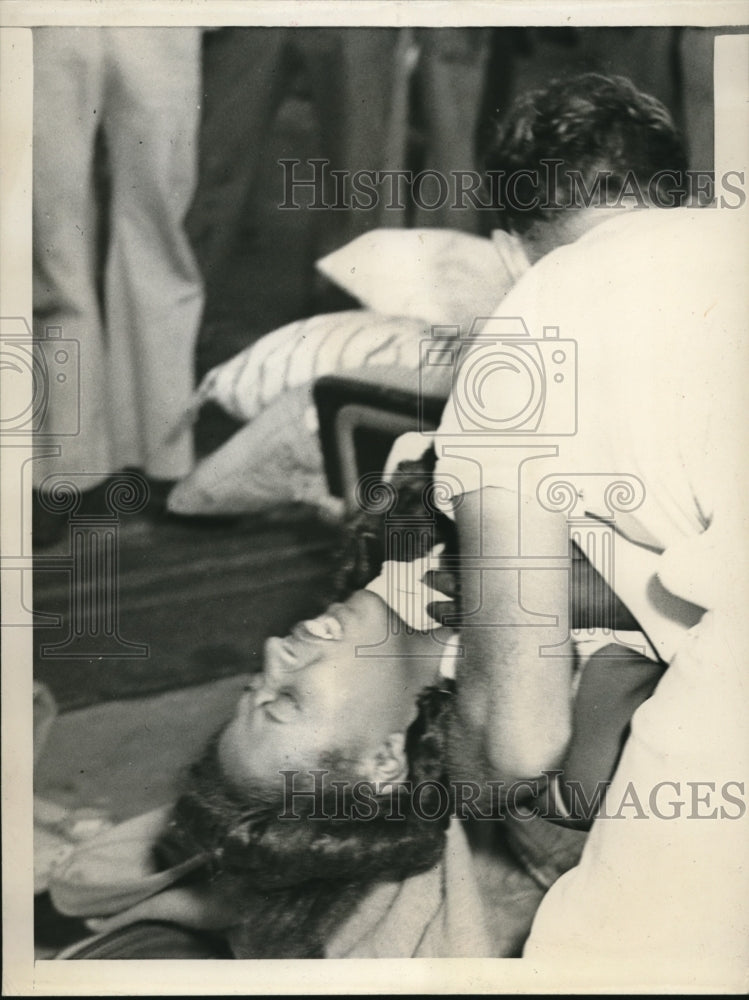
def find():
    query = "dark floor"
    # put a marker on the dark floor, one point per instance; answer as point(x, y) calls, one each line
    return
point(193, 602)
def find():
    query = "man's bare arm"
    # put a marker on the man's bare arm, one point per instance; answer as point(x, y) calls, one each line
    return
point(513, 703)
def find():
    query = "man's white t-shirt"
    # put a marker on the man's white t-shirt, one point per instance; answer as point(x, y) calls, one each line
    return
point(637, 403)
point(652, 308)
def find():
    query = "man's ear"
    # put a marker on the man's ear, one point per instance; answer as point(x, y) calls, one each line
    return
point(389, 761)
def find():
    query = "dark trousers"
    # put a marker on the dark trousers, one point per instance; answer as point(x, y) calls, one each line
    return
point(346, 76)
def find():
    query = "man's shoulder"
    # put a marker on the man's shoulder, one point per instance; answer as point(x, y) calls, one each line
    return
point(671, 259)
point(666, 235)
point(659, 228)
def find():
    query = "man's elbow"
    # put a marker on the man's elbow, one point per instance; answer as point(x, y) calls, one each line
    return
point(525, 759)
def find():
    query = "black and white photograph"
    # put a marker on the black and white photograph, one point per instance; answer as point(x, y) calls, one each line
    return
point(375, 511)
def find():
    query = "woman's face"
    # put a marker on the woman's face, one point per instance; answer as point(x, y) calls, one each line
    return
point(340, 683)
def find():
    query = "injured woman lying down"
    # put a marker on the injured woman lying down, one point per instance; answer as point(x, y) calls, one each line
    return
point(322, 820)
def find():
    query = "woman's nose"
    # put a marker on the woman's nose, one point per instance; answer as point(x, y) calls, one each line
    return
point(268, 681)
point(275, 668)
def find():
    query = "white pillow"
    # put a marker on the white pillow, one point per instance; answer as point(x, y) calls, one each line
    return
point(440, 275)
point(274, 460)
point(297, 354)
point(409, 279)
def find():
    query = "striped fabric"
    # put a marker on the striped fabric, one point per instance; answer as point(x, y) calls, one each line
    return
point(407, 281)
point(297, 354)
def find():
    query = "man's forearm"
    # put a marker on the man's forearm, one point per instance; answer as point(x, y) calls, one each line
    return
point(514, 699)
point(515, 703)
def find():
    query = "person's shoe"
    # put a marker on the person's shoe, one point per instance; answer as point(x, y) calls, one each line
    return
point(48, 527)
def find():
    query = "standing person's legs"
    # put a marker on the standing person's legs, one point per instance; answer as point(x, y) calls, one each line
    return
point(451, 72)
point(67, 113)
point(242, 88)
point(154, 293)
point(351, 72)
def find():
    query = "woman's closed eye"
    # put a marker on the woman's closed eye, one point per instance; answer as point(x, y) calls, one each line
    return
point(283, 707)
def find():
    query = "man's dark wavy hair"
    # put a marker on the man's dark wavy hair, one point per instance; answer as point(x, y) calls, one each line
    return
point(295, 880)
point(593, 124)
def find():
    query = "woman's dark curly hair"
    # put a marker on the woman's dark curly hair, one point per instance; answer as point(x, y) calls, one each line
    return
point(298, 876)
point(601, 126)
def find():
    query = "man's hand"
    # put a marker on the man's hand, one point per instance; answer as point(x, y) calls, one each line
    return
point(447, 582)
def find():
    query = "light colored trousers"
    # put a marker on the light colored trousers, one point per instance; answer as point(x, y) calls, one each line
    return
point(142, 86)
